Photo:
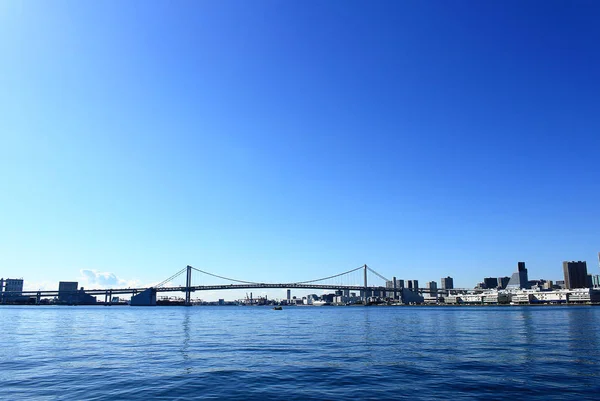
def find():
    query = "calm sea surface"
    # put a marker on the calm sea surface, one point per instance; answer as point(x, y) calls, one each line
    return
point(303, 353)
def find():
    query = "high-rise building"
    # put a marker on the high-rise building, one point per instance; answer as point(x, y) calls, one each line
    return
point(413, 284)
point(575, 274)
point(447, 283)
point(431, 286)
point(503, 282)
point(520, 278)
point(490, 282)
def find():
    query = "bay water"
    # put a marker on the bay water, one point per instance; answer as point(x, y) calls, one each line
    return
point(299, 353)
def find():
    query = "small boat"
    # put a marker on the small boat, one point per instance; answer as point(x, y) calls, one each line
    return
point(277, 308)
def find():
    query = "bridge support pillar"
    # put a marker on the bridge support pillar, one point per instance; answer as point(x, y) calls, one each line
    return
point(188, 284)
point(110, 298)
point(38, 297)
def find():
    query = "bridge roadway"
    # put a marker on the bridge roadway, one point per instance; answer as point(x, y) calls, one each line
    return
point(120, 291)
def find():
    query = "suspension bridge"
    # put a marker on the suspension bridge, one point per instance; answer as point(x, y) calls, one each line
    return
point(362, 279)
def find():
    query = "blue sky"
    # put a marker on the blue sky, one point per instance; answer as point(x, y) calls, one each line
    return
point(287, 140)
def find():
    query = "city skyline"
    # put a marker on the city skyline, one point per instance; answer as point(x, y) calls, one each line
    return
point(516, 282)
point(424, 139)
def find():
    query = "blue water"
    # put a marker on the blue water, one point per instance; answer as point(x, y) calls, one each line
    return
point(299, 353)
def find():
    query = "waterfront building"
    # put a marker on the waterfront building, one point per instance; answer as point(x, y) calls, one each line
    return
point(409, 296)
point(596, 281)
point(289, 295)
point(69, 294)
point(13, 285)
point(11, 289)
point(521, 298)
point(584, 295)
point(453, 299)
point(447, 283)
point(472, 298)
point(66, 290)
point(549, 297)
point(144, 298)
point(503, 282)
point(490, 282)
point(519, 279)
point(575, 274)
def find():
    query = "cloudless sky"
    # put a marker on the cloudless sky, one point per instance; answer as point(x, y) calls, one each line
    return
point(289, 140)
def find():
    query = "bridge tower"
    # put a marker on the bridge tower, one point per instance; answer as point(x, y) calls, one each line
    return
point(365, 290)
point(188, 284)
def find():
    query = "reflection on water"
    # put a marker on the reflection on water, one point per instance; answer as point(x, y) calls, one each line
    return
point(106, 353)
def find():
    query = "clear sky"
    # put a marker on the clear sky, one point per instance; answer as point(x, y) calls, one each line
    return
point(288, 140)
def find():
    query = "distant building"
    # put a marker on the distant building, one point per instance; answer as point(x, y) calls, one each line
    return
point(289, 295)
point(490, 282)
point(66, 290)
point(399, 283)
point(575, 274)
point(503, 282)
point(11, 289)
point(596, 280)
point(431, 286)
point(12, 285)
point(519, 279)
point(447, 283)
point(144, 298)
point(411, 297)
point(413, 284)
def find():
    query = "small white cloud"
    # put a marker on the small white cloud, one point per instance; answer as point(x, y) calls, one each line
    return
point(96, 279)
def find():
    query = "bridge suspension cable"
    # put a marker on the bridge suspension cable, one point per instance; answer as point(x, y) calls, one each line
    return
point(330, 277)
point(225, 278)
point(377, 274)
point(170, 278)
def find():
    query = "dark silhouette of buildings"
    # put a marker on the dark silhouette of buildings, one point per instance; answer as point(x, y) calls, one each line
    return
point(503, 282)
point(490, 282)
point(69, 294)
point(575, 274)
point(447, 283)
point(520, 278)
